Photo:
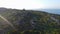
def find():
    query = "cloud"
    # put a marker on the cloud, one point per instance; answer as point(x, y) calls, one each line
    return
point(28, 4)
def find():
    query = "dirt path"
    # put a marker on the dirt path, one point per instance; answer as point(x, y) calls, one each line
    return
point(7, 22)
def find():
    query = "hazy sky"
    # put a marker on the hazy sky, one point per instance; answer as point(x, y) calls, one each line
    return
point(30, 4)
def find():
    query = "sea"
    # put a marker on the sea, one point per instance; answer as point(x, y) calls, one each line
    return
point(53, 11)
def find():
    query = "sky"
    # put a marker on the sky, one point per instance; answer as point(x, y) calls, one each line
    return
point(30, 4)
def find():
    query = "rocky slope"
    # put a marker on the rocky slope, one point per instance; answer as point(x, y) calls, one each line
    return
point(28, 21)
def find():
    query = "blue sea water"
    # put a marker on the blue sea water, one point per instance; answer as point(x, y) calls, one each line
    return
point(53, 11)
